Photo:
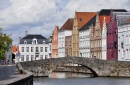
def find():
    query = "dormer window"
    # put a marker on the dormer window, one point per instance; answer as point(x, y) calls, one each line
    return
point(43, 42)
point(34, 41)
point(25, 42)
point(80, 19)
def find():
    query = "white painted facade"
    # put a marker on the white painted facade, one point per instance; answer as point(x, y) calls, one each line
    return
point(29, 56)
point(34, 51)
point(104, 39)
point(124, 42)
point(61, 41)
point(84, 43)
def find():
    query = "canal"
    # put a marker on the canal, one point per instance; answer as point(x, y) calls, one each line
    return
point(67, 78)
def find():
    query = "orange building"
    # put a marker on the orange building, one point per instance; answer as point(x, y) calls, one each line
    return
point(55, 42)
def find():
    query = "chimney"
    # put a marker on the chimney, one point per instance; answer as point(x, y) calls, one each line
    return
point(4, 35)
point(19, 39)
point(26, 33)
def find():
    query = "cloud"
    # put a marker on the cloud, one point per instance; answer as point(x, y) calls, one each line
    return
point(40, 16)
point(27, 11)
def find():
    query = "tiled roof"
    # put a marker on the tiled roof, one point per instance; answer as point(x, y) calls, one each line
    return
point(108, 11)
point(101, 18)
point(14, 48)
point(89, 23)
point(84, 17)
point(68, 25)
point(128, 20)
point(31, 36)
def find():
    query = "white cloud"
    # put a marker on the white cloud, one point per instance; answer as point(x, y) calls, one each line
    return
point(44, 14)
point(27, 11)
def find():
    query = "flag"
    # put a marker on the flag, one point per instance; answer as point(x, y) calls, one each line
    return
point(19, 54)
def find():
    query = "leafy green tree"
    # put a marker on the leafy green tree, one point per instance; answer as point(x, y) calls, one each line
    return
point(5, 41)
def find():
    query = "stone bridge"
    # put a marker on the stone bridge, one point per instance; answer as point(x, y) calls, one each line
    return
point(96, 66)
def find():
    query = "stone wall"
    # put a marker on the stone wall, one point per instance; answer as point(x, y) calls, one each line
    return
point(96, 66)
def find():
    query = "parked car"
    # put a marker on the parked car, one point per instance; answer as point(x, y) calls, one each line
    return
point(1, 62)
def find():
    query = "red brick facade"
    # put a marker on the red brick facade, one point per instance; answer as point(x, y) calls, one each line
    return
point(55, 42)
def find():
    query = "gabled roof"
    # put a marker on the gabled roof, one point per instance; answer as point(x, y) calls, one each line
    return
point(89, 23)
point(108, 11)
point(128, 20)
point(68, 25)
point(101, 18)
point(56, 28)
point(14, 48)
point(32, 36)
point(84, 17)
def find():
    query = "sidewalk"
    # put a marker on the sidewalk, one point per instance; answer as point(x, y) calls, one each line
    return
point(8, 72)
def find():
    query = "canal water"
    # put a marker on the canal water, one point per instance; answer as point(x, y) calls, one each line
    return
point(67, 78)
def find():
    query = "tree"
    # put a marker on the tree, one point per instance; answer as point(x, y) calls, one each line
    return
point(5, 41)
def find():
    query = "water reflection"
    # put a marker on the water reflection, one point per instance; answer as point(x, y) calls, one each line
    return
point(67, 75)
point(61, 78)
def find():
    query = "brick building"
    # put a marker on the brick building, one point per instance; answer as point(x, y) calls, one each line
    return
point(55, 42)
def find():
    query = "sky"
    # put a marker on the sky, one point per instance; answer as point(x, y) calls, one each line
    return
point(40, 16)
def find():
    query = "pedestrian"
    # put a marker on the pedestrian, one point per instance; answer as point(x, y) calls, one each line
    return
point(4, 62)
point(8, 61)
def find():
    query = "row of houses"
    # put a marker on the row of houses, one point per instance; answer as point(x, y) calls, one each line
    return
point(103, 35)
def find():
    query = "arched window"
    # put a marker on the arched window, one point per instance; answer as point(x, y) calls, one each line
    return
point(43, 42)
point(34, 41)
point(25, 42)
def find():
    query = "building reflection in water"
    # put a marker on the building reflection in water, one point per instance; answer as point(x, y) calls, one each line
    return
point(67, 75)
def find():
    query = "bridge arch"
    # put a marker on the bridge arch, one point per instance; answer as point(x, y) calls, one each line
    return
point(46, 66)
point(73, 62)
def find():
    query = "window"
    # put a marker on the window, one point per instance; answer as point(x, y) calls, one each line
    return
point(41, 57)
point(127, 54)
point(118, 40)
point(34, 42)
point(126, 40)
point(80, 19)
point(50, 48)
point(129, 39)
point(43, 42)
point(46, 56)
point(27, 57)
point(45, 49)
point(123, 53)
point(41, 49)
point(32, 49)
point(22, 49)
point(22, 58)
point(123, 37)
point(36, 49)
point(32, 57)
point(27, 49)
point(25, 42)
